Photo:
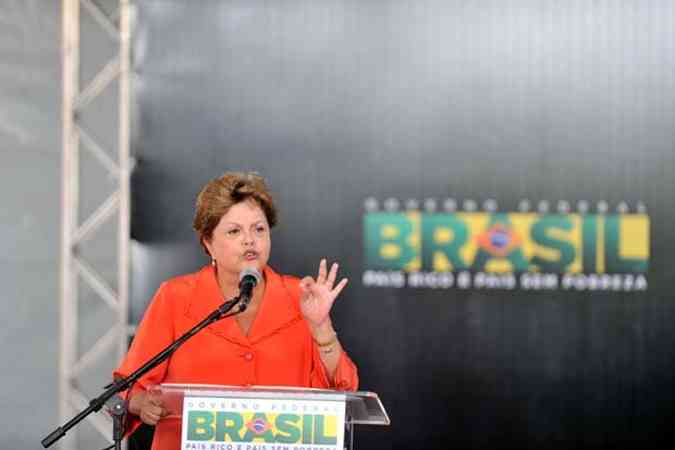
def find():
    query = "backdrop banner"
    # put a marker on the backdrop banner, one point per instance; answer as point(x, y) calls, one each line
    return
point(495, 178)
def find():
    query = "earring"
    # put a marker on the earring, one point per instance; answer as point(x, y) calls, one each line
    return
point(213, 262)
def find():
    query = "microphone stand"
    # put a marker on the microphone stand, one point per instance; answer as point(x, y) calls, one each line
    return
point(117, 407)
point(119, 410)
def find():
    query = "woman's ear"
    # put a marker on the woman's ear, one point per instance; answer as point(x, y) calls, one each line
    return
point(208, 245)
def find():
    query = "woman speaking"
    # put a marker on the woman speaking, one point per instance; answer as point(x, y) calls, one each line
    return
point(284, 337)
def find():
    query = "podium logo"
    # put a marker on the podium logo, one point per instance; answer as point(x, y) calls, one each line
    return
point(228, 426)
point(400, 243)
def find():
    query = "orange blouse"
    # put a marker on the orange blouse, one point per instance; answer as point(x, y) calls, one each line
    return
point(278, 351)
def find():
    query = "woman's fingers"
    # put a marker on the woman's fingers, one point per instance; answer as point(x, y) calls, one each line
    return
point(153, 410)
point(341, 285)
point(306, 282)
point(152, 414)
point(306, 286)
point(331, 275)
point(324, 282)
point(154, 399)
point(149, 418)
point(321, 277)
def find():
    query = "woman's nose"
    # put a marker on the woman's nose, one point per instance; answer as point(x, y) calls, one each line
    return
point(248, 239)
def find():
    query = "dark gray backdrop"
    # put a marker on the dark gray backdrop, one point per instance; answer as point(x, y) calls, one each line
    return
point(337, 101)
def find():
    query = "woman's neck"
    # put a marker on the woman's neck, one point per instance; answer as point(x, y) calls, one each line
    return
point(228, 282)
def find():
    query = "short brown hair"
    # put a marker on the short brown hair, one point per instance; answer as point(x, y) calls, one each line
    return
point(220, 194)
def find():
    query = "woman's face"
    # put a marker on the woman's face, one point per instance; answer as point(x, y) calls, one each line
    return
point(241, 239)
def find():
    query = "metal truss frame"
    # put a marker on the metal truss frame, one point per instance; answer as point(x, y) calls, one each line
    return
point(73, 267)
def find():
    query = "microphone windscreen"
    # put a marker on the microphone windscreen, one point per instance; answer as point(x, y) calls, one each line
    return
point(250, 271)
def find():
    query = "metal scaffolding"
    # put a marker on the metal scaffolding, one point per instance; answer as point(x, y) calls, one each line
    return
point(74, 268)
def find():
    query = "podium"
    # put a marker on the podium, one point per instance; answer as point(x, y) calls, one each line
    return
point(223, 413)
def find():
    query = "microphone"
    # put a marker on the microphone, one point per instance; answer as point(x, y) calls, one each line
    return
point(248, 279)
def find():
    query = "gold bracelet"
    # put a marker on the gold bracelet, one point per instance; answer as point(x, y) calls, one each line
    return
point(325, 350)
point(329, 342)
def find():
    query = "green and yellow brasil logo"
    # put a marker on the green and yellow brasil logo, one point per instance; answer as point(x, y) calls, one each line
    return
point(506, 243)
point(228, 426)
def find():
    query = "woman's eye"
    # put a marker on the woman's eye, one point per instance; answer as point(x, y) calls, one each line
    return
point(233, 232)
point(260, 229)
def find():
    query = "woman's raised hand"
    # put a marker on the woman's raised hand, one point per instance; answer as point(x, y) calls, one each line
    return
point(318, 295)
